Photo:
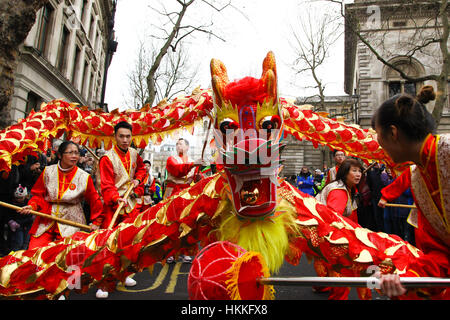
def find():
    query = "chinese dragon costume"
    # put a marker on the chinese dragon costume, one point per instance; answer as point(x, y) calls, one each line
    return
point(245, 204)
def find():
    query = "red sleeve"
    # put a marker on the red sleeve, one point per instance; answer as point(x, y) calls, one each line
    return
point(107, 182)
point(140, 169)
point(397, 187)
point(139, 174)
point(38, 192)
point(337, 200)
point(95, 204)
point(178, 169)
point(435, 262)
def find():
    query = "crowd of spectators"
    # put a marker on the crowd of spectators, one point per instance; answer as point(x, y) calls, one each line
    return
point(391, 220)
point(16, 186)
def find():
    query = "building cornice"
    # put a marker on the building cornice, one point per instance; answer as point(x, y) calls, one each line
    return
point(390, 10)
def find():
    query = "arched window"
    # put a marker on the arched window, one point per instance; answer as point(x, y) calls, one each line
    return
point(395, 84)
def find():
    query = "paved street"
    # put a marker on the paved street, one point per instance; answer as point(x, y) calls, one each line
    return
point(169, 282)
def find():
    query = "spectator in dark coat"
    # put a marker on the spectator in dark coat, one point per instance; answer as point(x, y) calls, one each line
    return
point(375, 184)
point(19, 224)
point(388, 215)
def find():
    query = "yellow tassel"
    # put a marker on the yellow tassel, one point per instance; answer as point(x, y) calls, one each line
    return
point(269, 236)
point(233, 283)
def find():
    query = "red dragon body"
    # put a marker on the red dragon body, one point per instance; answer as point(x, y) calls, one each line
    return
point(246, 203)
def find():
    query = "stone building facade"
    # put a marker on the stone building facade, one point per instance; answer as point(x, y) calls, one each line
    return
point(64, 55)
point(398, 31)
point(302, 153)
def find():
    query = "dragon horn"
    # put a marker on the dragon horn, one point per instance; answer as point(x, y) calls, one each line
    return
point(269, 74)
point(219, 78)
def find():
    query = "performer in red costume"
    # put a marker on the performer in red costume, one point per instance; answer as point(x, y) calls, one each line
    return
point(405, 130)
point(120, 167)
point(339, 195)
point(180, 174)
point(180, 169)
point(59, 191)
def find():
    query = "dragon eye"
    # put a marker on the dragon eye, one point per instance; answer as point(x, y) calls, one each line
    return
point(270, 122)
point(228, 124)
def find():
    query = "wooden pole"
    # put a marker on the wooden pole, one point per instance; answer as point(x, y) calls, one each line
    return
point(409, 206)
point(409, 282)
point(116, 214)
point(206, 139)
point(47, 216)
point(369, 167)
point(92, 153)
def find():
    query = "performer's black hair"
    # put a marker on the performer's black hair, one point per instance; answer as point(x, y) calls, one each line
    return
point(64, 145)
point(185, 141)
point(122, 124)
point(408, 114)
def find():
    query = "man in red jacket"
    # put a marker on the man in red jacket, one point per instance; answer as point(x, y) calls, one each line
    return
point(180, 169)
point(120, 167)
point(181, 172)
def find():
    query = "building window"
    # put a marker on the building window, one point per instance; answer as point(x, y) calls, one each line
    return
point(396, 84)
point(410, 87)
point(399, 24)
point(84, 10)
point(45, 29)
point(62, 55)
point(92, 29)
point(397, 87)
point(76, 65)
point(345, 112)
point(84, 85)
point(33, 102)
point(91, 88)
point(394, 88)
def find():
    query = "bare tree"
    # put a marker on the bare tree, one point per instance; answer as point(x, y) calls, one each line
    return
point(429, 37)
point(174, 75)
point(176, 33)
point(314, 36)
point(16, 19)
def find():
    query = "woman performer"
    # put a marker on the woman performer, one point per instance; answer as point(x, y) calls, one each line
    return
point(405, 130)
point(59, 191)
point(340, 196)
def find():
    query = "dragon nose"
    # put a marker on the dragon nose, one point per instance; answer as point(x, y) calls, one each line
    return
point(250, 196)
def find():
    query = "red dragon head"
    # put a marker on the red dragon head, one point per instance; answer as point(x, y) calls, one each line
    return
point(248, 130)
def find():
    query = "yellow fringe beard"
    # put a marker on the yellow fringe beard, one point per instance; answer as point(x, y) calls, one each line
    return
point(269, 236)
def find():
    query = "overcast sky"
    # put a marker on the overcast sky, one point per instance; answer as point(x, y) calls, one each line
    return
point(250, 31)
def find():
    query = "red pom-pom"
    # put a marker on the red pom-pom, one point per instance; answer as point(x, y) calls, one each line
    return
point(207, 276)
point(247, 91)
point(225, 271)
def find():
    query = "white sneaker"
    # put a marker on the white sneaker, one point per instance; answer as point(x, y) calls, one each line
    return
point(62, 297)
point(100, 294)
point(186, 259)
point(130, 282)
point(170, 260)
